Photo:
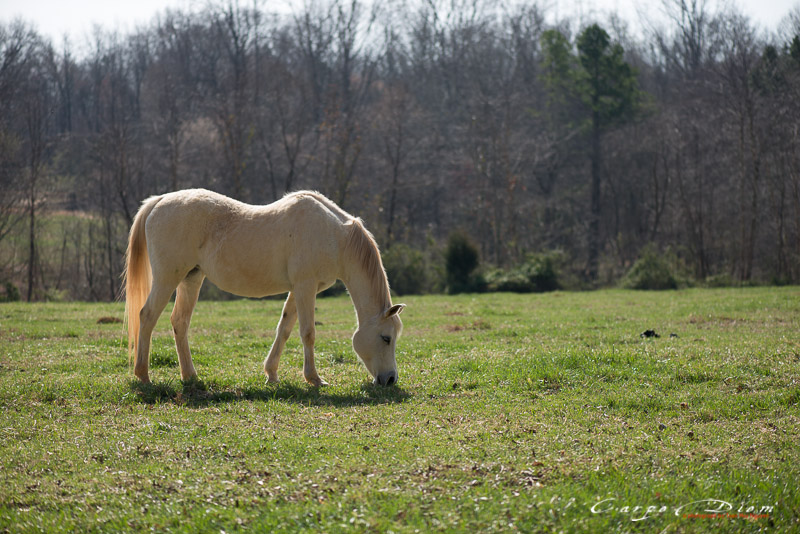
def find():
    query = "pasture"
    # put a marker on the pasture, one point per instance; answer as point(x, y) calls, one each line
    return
point(530, 413)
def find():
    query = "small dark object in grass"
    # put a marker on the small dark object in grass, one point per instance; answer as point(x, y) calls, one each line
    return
point(662, 426)
point(674, 335)
point(109, 320)
point(649, 333)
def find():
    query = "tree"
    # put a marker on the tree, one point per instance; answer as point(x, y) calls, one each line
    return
point(16, 41)
point(37, 106)
point(353, 67)
point(236, 29)
point(692, 42)
point(607, 86)
point(396, 113)
point(286, 115)
point(421, 119)
point(736, 69)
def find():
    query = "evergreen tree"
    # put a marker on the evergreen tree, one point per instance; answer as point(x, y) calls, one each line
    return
point(606, 86)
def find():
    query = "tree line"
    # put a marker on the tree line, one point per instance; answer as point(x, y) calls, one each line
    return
point(527, 135)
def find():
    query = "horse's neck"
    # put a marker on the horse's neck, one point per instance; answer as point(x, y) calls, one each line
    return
point(365, 299)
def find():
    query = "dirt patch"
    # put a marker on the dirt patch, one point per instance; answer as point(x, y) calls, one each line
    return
point(477, 325)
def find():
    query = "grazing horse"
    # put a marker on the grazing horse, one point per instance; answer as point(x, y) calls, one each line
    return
point(301, 244)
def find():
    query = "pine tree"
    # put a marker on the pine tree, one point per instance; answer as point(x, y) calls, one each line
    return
point(605, 84)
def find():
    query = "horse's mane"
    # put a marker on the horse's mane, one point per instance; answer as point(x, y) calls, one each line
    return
point(361, 246)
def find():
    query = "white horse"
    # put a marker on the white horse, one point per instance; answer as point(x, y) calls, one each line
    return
point(301, 244)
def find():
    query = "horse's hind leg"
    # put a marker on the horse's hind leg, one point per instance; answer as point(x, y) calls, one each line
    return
point(185, 300)
point(156, 301)
point(288, 318)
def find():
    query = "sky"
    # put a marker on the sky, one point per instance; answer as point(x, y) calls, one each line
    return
point(55, 18)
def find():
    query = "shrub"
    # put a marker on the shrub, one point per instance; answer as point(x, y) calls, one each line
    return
point(11, 293)
point(52, 294)
point(338, 288)
point(537, 275)
point(461, 264)
point(719, 280)
point(651, 271)
point(541, 271)
point(406, 269)
point(512, 281)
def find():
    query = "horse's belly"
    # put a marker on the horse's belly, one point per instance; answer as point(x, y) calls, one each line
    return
point(247, 284)
point(256, 261)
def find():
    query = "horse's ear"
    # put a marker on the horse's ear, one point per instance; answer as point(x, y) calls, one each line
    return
point(394, 310)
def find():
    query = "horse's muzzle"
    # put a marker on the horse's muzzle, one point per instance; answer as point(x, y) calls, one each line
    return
point(389, 378)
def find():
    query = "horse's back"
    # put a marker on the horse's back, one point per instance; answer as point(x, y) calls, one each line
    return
point(247, 250)
point(183, 221)
point(314, 200)
point(193, 202)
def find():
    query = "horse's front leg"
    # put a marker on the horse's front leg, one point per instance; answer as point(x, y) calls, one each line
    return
point(288, 318)
point(305, 298)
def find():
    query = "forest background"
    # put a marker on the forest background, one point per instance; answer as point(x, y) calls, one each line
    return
point(485, 147)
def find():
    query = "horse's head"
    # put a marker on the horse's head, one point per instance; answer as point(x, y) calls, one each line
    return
point(375, 341)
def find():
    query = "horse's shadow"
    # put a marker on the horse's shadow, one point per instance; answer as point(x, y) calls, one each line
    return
point(198, 394)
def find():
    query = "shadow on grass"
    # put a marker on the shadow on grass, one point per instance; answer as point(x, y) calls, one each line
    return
point(195, 393)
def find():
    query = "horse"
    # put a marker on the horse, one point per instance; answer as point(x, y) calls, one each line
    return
point(300, 244)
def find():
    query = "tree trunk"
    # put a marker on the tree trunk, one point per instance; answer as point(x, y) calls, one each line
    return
point(32, 240)
point(594, 215)
point(392, 205)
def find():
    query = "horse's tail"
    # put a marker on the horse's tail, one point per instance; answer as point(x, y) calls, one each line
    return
point(138, 276)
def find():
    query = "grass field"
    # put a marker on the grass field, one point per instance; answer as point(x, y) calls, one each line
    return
point(531, 413)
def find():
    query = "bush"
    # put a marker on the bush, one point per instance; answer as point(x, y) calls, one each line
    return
point(719, 280)
point(512, 281)
point(541, 271)
point(537, 275)
point(338, 288)
point(11, 293)
point(55, 295)
point(407, 270)
point(651, 271)
point(461, 264)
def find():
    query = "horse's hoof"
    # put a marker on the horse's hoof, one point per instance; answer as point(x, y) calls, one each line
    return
point(316, 382)
point(272, 379)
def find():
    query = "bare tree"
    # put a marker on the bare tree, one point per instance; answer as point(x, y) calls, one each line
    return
point(396, 124)
point(286, 116)
point(739, 57)
point(16, 48)
point(37, 114)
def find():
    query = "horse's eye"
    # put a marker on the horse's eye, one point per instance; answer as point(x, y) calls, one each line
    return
point(386, 339)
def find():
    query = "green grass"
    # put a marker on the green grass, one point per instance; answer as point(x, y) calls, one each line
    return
point(513, 413)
